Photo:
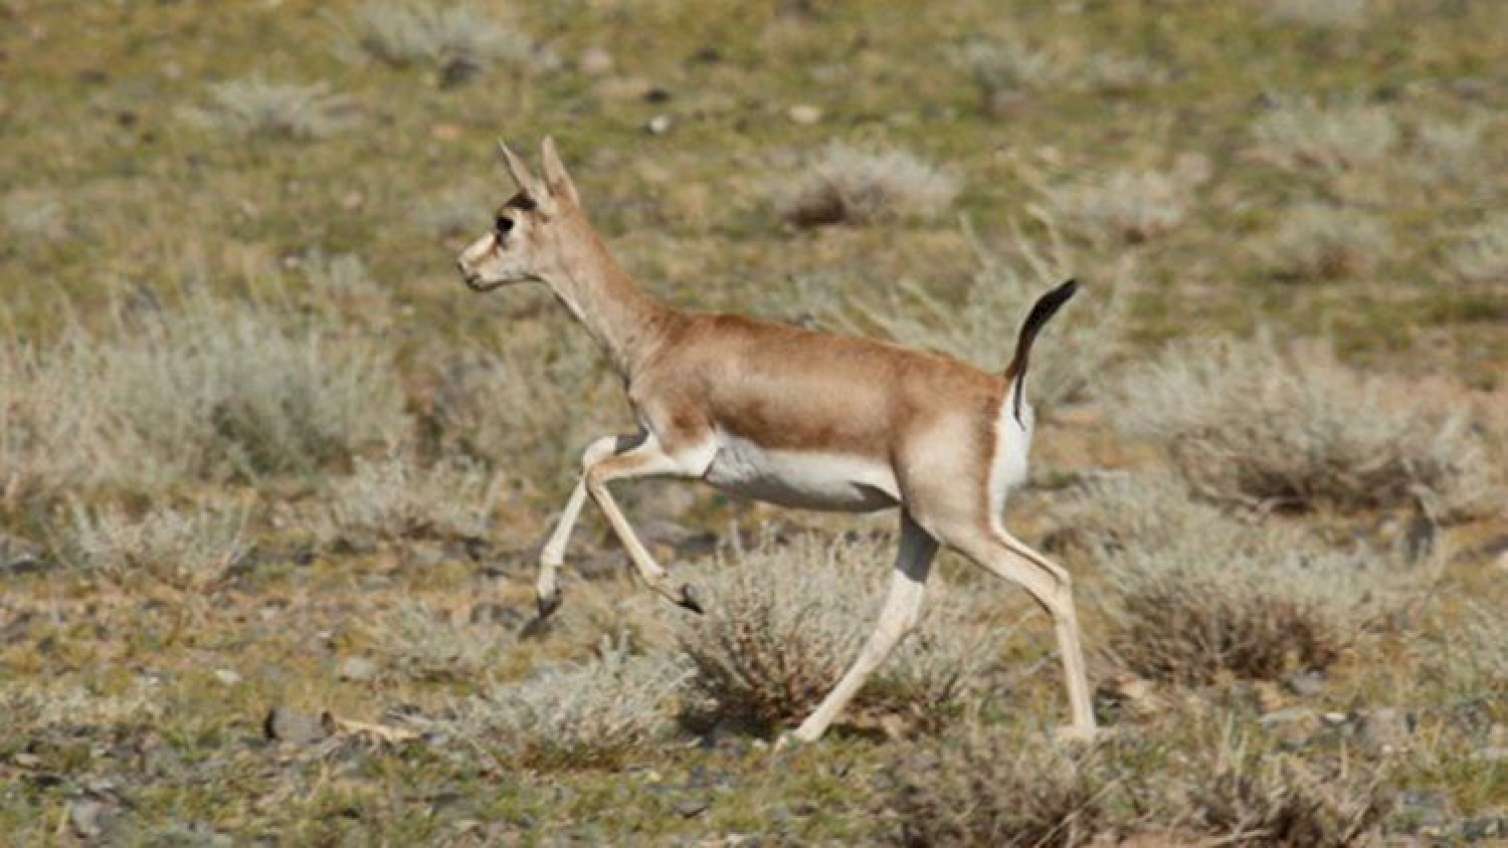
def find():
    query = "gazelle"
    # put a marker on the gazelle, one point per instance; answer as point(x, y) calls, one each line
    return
point(789, 416)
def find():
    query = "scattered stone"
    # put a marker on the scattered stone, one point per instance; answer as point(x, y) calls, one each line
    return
point(357, 669)
point(227, 676)
point(1292, 727)
point(1492, 826)
point(89, 818)
point(1386, 729)
point(691, 807)
point(804, 114)
point(658, 125)
point(491, 612)
point(595, 61)
point(1307, 684)
point(18, 556)
point(657, 94)
point(286, 725)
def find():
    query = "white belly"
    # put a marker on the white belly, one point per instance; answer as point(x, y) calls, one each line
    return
point(801, 479)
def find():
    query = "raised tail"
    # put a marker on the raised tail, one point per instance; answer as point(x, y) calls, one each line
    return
point(1046, 306)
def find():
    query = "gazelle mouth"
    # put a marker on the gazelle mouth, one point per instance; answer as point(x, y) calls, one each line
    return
point(475, 283)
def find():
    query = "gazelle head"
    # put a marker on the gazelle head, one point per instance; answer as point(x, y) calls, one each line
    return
point(530, 233)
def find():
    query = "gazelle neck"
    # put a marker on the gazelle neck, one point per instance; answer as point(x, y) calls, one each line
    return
point(624, 319)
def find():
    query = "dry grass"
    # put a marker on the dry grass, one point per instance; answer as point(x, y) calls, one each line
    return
point(587, 714)
point(1247, 422)
point(398, 498)
point(210, 390)
point(33, 214)
point(846, 185)
point(1004, 71)
point(257, 107)
point(997, 789)
point(184, 547)
point(1319, 242)
point(424, 643)
point(1321, 14)
point(1302, 134)
point(1130, 206)
point(460, 211)
point(458, 41)
point(1482, 254)
point(784, 623)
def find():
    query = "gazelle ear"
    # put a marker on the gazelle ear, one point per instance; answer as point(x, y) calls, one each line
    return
point(556, 179)
point(520, 173)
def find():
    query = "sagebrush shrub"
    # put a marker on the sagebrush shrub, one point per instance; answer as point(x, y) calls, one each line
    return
point(182, 546)
point(1482, 255)
point(846, 185)
point(784, 623)
point(208, 390)
point(255, 106)
point(1244, 421)
point(446, 37)
point(1130, 205)
point(421, 643)
point(1316, 241)
point(1302, 134)
point(586, 714)
point(398, 498)
point(1193, 593)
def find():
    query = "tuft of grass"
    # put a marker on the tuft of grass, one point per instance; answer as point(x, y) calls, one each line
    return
point(1077, 346)
point(1482, 254)
point(396, 498)
point(846, 185)
point(423, 644)
point(34, 214)
point(587, 714)
point(459, 211)
point(1004, 71)
point(1449, 151)
point(211, 390)
point(1321, 14)
point(1130, 205)
point(999, 789)
point(257, 107)
point(1317, 241)
point(1302, 134)
point(1244, 421)
point(456, 40)
point(784, 623)
point(185, 547)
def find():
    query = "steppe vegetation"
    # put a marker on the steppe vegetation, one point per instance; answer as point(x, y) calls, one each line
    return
point(272, 483)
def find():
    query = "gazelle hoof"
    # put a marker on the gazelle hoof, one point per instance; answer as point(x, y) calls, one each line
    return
point(688, 599)
point(548, 603)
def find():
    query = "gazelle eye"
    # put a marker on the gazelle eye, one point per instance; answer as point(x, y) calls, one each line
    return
point(503, 224)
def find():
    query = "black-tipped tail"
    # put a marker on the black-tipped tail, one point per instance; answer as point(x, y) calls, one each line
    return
point(1045, 307)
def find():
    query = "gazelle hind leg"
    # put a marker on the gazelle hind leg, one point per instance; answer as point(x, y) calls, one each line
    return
point(898, 617)
point(1008, 558)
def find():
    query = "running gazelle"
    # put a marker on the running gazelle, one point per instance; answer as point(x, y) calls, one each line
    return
point(789, 416)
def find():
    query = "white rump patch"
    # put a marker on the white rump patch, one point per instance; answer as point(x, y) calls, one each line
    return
point(1013, 442)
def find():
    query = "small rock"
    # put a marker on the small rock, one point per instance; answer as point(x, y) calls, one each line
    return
point(804, 114)
point(227, 676)
point(658, 125)
point(89, 818)
point(287, 725)
point(357, 669)
point(1485, 827)
point(1309, 684)
point(18, 556)
point(691, 807)
point(1386, 729)
point(1293, 727)
point(595, 61)
point(657, 94)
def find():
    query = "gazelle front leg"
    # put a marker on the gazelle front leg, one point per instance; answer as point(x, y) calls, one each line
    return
point(552, 555)
point(648, 459)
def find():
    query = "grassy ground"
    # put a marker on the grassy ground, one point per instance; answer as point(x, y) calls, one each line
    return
point(253, 429)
